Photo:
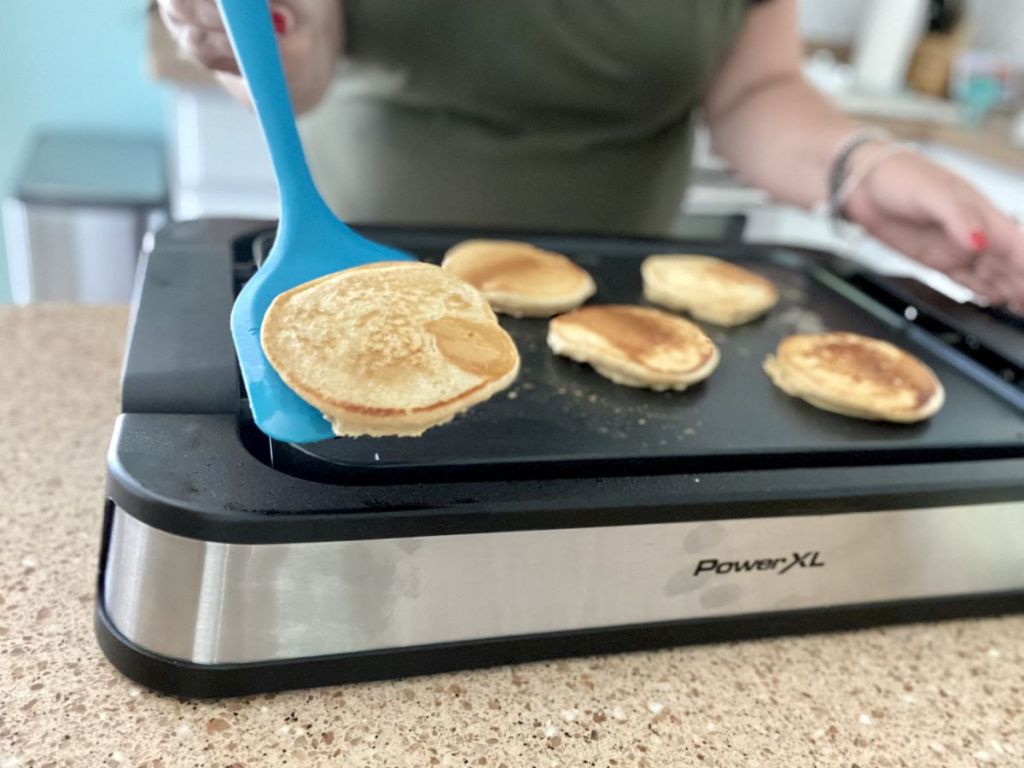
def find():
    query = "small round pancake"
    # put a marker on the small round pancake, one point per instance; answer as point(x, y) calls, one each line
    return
point(707, 288)
point(391, 348)
point(635, 346)
point(520, 279)
point(856, 376)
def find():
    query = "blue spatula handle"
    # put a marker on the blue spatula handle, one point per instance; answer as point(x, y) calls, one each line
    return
point(251, 31)
point(311, 242)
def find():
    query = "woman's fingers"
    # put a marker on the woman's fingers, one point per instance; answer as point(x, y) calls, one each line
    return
point(1007, 238)
point(203, 13)
point(1002, 260)
point(983, 273)
point(980, 287)
point(212, 49)
point(196, 27)
point(997, 289)
point(924, 243)
point(960, 211)
point(939, 219)
point(209, 47)
point(991, 241)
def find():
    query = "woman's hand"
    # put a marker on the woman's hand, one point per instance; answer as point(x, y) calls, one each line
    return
point(309, 37)
point(780, 133)
point(939, 219)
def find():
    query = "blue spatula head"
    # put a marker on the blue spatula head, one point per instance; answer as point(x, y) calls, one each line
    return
point(311, 241)
point(323, 248)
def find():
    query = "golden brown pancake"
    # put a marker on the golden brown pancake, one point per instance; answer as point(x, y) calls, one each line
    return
point(391, 348)
point(856, 376)
point(707, 288)
point(520, 279)
point(635, 346)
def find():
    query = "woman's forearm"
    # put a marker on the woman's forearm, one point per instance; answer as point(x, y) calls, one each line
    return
point(779, 133)
point(773, 128)
point(782, 136)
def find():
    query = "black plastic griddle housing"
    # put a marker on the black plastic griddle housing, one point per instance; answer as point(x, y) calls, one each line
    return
point(186, 458)
point(180, 358)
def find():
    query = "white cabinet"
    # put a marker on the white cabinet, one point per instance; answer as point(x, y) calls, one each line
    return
point(219, 164)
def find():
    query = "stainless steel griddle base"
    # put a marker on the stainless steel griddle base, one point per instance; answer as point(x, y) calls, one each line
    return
point(220, 604)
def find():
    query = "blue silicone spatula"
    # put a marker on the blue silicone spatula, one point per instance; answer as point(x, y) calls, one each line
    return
point(311, 241)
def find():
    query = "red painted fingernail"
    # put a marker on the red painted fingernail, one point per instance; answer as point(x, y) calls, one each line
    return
point(280, 22)
point(979, 240)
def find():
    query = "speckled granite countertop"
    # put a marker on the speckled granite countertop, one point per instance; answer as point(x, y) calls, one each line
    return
point(949, 694)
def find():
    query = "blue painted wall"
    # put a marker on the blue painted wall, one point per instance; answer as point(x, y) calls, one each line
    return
point(68, 64)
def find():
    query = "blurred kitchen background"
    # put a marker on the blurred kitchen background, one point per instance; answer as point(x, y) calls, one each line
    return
point(105, 132)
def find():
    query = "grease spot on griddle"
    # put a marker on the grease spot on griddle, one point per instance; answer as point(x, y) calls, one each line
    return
point(793, 294)
point(801, 320)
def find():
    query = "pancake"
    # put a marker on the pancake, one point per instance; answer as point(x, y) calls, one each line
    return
point(520, 279)
point(856, 376)
point(392, 348)
point(707, 288)
point(635, 346)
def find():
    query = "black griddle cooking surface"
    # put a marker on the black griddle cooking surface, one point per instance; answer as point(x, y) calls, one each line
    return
point(562, 417)
point(998, 329)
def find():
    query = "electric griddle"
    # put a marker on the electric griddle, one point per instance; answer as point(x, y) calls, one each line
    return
point(568, 515)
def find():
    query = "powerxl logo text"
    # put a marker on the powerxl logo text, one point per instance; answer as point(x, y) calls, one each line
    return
point(780, 565)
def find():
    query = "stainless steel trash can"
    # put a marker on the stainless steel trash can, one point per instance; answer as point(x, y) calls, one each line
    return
point(79, 211)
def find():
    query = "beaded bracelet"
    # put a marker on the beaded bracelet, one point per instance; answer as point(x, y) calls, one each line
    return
point(838, 172)
point(854, 180)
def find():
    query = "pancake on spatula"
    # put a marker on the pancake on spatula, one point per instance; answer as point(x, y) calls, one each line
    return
point(391, 348)
point(856, 376)
point(635, 346)
point(707, 288)
point(520, 279)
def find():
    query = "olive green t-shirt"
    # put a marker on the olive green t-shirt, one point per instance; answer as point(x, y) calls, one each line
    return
point(536, 114)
